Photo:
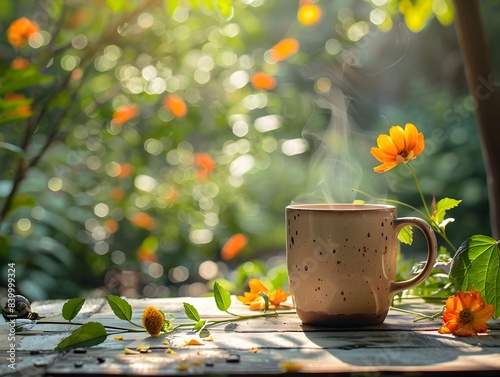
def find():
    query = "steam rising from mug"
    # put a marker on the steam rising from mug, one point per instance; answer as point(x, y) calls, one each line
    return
point(334, 169)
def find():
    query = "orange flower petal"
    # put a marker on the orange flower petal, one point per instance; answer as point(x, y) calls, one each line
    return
point(284, 48)
point(175, 105)
point(261, 80)
point(143, 220)
point(257, 286)
point(21, 30)
point(124, 113)
point(466, 314)
point(400, 146)
point(233, 246)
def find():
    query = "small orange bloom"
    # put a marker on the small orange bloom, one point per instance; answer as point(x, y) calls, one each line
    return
point(466, 314)
point(152, 320)
point(21, 30)
point(261, 80)
point(284, 48)
point(117, 193)
point(204, 165)
point(143, 220)
point(233, 246)
point(19, 63)
point(400, 146)
point(309, 14)
point(124, 114)
point(175, 105)
point(111, 226)
point(125, 170)
point(21, 110)
point(256, 301)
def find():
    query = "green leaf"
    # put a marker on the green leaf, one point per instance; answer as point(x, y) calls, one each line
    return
point(87, 335)
point(19, 201)
point(476, 265)
point(224, 7)
point(170, 6)
point(4, 245)
point(222, 297)
point(405, 235)
point(200, 325)
point(191, 312)
point(118, 5)
point(120, 307)
point(13, 81)
point(72, 307)
point(12, 148)
point(442, 206)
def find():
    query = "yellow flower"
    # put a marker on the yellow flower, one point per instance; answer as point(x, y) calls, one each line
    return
point(152, 320)
point(257, 302)
point(466, 314)
point(400, 146)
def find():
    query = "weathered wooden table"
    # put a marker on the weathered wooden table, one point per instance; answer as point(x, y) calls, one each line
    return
point(252, 347)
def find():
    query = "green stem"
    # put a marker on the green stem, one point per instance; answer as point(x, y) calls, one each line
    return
point(80, 324)
point(420, 315)
point(391, 201)
point(237, 317)
point(429, 215)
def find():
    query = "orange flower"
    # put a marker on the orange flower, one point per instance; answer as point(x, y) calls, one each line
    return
point(400, 146)
point(124, 114)
point(204, 165)
point(261, 80)
point(152, 320)
point(19, 63)
point(284, 48)
point(175, 105)
point(256, 301)
point(233, 246)
point(125, 170)
point(21, 30)
point(21, 110)
point(308, 14)
point(466, 314)
point(143, 220)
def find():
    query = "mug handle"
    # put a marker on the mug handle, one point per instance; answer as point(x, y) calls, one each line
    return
point(399, 223)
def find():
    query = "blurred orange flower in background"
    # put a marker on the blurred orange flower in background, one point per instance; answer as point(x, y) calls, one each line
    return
point(261, 80)
point(125, 170)
point(256, 301)
point(400, 146)
point(124, 114)
point(21, 110)
point(175, 105)
point(284, 48)
point(143, 220)
point(19, 63)
point(233, 246)
point(308, 13)
point(21, 30)
point(466, 314)
point(204, 164)
point(117, 193)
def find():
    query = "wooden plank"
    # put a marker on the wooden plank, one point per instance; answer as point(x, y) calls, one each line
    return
point(261, 345)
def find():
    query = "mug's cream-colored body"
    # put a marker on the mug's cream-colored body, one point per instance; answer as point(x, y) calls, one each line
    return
point(342, 259)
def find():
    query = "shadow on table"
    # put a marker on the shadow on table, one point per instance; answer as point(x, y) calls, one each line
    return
point(407, 349)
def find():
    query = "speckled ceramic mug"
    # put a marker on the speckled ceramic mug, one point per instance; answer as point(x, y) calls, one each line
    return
point(341, 261)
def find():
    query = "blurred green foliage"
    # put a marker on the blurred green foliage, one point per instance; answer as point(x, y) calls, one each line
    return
point(144, 207)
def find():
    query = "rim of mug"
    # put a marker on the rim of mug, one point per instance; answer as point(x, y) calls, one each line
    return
point(340, 206)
